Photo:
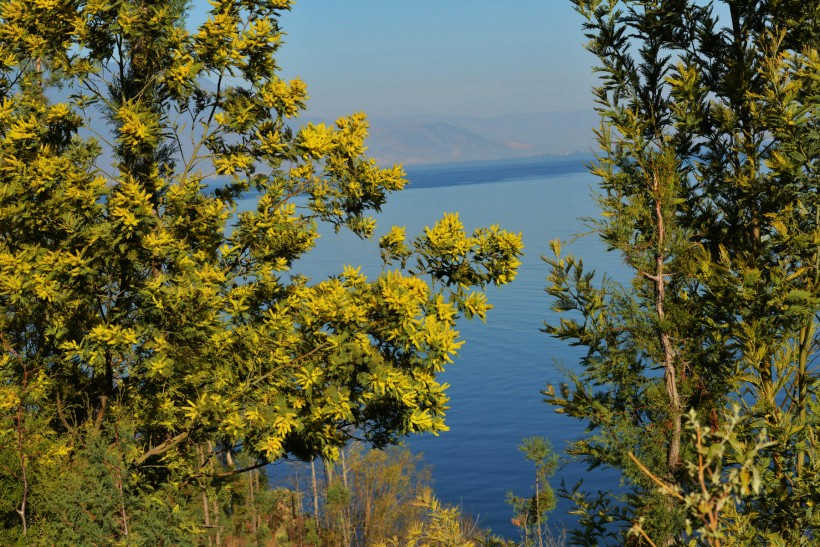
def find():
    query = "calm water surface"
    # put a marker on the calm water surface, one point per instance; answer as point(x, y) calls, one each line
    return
point(496, 382)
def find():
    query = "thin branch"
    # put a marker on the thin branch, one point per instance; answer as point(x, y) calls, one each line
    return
point(163, 448)
point(238, 471)
point(664, 486)
point(638, 528)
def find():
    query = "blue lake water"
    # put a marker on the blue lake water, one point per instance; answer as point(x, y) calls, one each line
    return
point(496, 381)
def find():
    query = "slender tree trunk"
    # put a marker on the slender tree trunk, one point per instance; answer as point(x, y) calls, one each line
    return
point(21, 510)
point(315, 493)
point(206, 512)
point(346, 510)
point(527, 527)
point(328, 468)
point(670, 374)
point(256, 475)
point(328, 473)
point(218, 528)
point(368, 509)
point(21, 452)
point(123, 513)
point(538, 508)
point(252, 500)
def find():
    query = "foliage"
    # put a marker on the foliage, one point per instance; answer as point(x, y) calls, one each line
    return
point(367, 497)
point(444, 526)
point(725, 472)
point(370, 495)
point(709, 176)
point(530, 513)
point(595, 515)
point(155, 322)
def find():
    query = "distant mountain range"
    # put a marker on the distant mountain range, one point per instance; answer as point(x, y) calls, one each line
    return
point(441, 139)
point(446, 139)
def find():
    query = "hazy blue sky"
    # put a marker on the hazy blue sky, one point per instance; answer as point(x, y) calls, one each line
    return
point(395, 58)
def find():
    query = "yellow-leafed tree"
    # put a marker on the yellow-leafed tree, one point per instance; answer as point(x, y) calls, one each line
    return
point(154, 336)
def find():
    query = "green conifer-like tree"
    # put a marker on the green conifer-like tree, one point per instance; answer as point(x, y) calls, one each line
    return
point(709, 190)
point(151, 333)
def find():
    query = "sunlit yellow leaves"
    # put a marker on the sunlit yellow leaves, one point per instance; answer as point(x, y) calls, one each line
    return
point(303, 171)
point(394, 238)
point(128, 18)
point(307, 377)
point(446, 237)
point(501, 249)
point(402, 295)
point(393, 247)
point(7, 105)
point(58, 113)
point(271, 447)
point(138, 128)
point(22, 129)
point(24, 31)
point(284, 424)
point(19, 276)
point(232, 426)
point(159, 366)
point(316, 140)
point(441, 342)
point(215, 40)
point(183, 69)
point(158, 242)
point(96, 7)
point(420, 420)
point(476, 304)
point(191, 412)
point(444, 311)
point(44, 288)
point(128, 220)
point(257, 43)
point(260, 32)
point(113, 336)
point(453, 258)
point(232, 163)
point(287, 98)
point(353, 276)
point(130, 206)
point(9, 399)
point(270, 141)
point(253, 416)
point(351, 134)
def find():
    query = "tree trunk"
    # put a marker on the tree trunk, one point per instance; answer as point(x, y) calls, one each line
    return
point(315, 493)
point(218, 528)
point(346, 510)
point(252, 500)
point(670, 374)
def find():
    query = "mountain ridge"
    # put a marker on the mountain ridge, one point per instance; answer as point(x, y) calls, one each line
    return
point(425, 139)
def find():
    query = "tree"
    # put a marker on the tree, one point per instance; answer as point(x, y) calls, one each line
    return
point(168, 333)
point(709, 181)
point(370, 497)
point(530, 513)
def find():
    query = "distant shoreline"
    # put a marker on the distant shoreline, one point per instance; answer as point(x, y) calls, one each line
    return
point(495, 170)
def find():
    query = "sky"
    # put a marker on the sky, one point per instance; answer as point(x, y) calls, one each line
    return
point(397, 58)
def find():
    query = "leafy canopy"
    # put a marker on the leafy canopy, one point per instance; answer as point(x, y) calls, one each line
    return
point(708, 169)
point(140, 306)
